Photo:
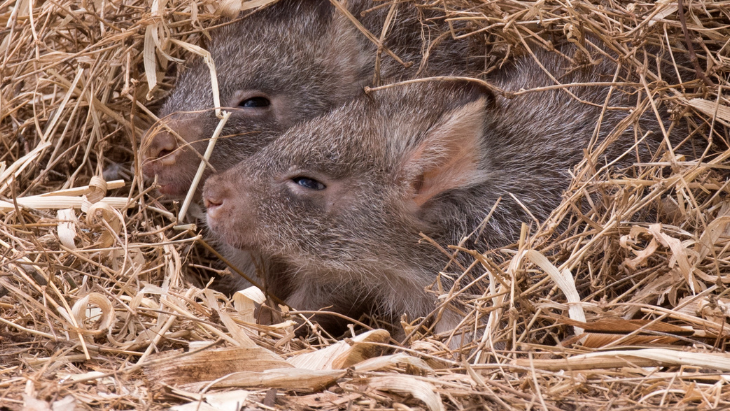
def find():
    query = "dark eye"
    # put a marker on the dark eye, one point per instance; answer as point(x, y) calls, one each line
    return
point(255, 102)
point(309, 183)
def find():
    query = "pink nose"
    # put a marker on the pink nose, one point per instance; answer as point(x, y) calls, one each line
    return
point(167, 140)
point(162, 147)
point(215, 197)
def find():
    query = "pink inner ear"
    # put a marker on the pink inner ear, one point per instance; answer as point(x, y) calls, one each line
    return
point(456, 172)
point(449, 156)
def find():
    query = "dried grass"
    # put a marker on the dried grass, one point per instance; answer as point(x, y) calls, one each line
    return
point(627, 308)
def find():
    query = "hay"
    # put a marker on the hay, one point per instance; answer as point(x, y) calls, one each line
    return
point(626, 308)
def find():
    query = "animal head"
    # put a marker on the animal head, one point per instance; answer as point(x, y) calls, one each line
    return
point(282, 65)
point(349, 192)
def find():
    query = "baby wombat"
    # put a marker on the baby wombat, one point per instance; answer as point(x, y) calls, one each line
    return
point(341, 200)
point(283, 65)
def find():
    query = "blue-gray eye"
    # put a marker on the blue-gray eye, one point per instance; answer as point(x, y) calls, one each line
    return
point(309, 183)
point(255, 102)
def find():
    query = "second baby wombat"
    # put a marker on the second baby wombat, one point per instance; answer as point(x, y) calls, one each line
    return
point(341, 200)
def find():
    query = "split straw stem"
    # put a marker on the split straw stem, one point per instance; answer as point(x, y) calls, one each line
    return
point(201, 167)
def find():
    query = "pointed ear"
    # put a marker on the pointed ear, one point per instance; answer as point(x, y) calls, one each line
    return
point(449, 155)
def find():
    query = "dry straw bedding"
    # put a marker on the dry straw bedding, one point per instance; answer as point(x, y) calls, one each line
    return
point(626, 308)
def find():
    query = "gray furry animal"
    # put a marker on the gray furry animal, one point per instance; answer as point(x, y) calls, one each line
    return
point(341, 200)
point(283, 65)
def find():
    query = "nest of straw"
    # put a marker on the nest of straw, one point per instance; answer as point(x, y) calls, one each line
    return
point(627, 307)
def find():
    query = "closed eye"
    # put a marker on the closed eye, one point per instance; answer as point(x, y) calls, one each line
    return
point(309, 183)
point(255, 102)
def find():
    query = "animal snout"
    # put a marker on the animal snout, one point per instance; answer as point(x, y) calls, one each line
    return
point(165, 146)
point(162, 147)
point(230, 213)
point(216, 198)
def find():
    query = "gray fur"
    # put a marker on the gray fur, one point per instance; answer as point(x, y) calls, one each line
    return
point(309, 59)
point(356, 243)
